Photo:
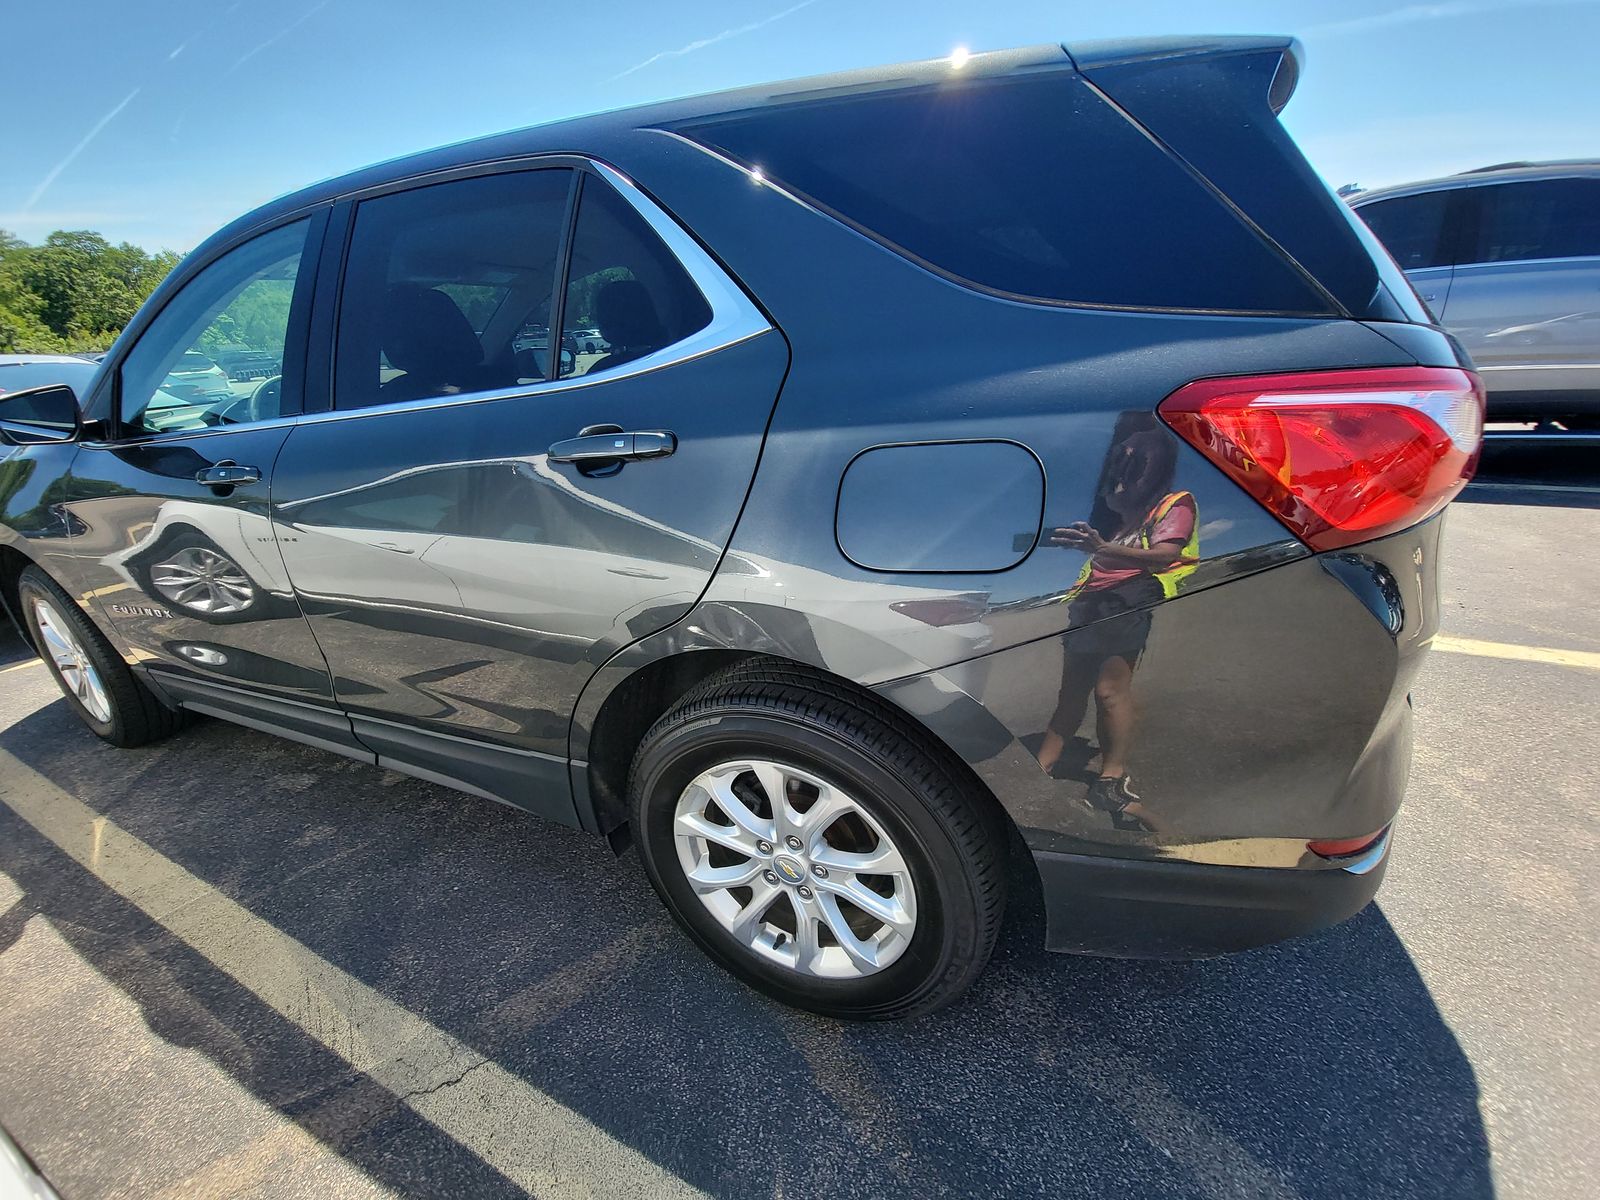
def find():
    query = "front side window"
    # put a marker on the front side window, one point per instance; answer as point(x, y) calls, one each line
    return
point(1551, 218)
point(448, 289)
point(627, 296)
point(1411, 228)
point(173, 381)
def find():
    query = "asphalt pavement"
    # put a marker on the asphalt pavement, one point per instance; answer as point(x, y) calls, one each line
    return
point(235, 966)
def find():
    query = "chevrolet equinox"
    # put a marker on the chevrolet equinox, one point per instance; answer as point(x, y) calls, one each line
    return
point(1117, 540)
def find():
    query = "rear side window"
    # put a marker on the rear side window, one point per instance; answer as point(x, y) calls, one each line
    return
point(1031, 187)
point(441, 285)
point(627, 296)
point(1552, 218)
point(1411, 228)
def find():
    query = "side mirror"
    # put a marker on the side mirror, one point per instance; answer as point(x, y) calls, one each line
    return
point(40, 415)
point(569, 362)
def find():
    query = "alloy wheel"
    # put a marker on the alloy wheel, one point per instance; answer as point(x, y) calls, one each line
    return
point(795, 868)
point(78, 674)
point(203, 581)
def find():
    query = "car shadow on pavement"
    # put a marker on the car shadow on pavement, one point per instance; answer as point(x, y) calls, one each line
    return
point(1316, 1069)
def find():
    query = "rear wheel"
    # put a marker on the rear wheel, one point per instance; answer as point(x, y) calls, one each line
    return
point(99, 687)
point(817, 845)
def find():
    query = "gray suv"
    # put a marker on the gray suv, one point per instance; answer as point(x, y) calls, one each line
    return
point(1508, 258)
point(1102, 572)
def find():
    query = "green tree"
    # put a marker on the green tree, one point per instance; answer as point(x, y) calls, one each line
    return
point(21, 325)
point(76, 291)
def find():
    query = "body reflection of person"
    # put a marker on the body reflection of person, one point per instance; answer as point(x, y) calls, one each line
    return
point(1142, 539)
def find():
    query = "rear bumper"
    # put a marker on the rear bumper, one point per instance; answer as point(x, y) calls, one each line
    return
point(1268, 711)
point(1131, 908)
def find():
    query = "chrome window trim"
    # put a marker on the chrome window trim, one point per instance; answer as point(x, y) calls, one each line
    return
point(734, 319)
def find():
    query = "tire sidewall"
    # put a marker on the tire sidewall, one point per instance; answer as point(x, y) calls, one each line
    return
point(676, 754)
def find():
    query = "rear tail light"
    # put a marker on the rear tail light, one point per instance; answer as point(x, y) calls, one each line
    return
point(1346, 847)
point(1339, 456)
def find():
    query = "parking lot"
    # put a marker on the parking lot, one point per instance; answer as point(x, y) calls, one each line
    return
point(232, 965)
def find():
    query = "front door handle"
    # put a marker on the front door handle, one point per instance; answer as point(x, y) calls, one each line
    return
point(598, 449)
point(227, 474)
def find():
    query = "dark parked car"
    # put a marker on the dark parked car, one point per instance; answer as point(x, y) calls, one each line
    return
point(22, 372)
point(823, 630)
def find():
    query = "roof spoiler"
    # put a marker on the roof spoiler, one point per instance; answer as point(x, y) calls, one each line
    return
point(1250, 62)
point(1213, 104)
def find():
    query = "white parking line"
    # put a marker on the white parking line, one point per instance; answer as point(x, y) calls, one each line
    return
point(532, 1139)
point(1540, 654)
point(32, 662)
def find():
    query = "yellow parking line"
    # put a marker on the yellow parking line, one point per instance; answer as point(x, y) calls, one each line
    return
point(531, 1138)
point(32, 662)
point(1538, 654)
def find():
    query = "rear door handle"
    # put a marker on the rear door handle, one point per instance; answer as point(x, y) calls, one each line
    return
point(227, 474)
point(594, 449)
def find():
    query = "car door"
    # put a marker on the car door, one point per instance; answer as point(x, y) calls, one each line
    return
point(471, 529)
point(173, 536)
point(1419, 230)
point(1526, 294)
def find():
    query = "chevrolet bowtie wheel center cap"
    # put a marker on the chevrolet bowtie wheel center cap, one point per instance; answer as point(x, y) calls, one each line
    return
point(788, 869)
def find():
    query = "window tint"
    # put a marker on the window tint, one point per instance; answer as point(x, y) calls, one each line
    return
point(627, 296)
point(1033, 187)
point(1554, 218)
point(442, 285)
point(1411, 228)
point(170, 380)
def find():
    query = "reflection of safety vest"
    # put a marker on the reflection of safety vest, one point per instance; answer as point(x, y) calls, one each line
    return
point(1171, 579)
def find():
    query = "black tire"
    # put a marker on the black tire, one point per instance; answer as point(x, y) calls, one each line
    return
point(952, 841)
point(136, 716)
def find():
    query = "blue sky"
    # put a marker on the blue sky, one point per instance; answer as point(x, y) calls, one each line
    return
point(158, 123)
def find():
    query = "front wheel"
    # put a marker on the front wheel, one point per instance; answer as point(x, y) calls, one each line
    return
point(818, 845)
point(98, 685)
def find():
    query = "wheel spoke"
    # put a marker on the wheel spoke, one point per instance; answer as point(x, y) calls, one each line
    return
point(882, 860)
point(772, 780)
point(701, 826)
point(887, 910)
point(707, 878)
point(807, 947)
point(860, 953)
point(810, 825)
point(737, 811)
point(190, 593)
point(748, 919)
point(60, 648)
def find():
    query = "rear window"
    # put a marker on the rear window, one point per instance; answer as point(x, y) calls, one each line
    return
point(1030, 187)
point(1411, 228)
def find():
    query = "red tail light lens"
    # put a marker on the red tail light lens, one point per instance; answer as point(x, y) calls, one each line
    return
point(1346, 847)
point(1339, 456)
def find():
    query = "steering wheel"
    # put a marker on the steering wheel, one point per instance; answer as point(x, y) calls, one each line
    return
point(261, 404)
point(267, 400)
